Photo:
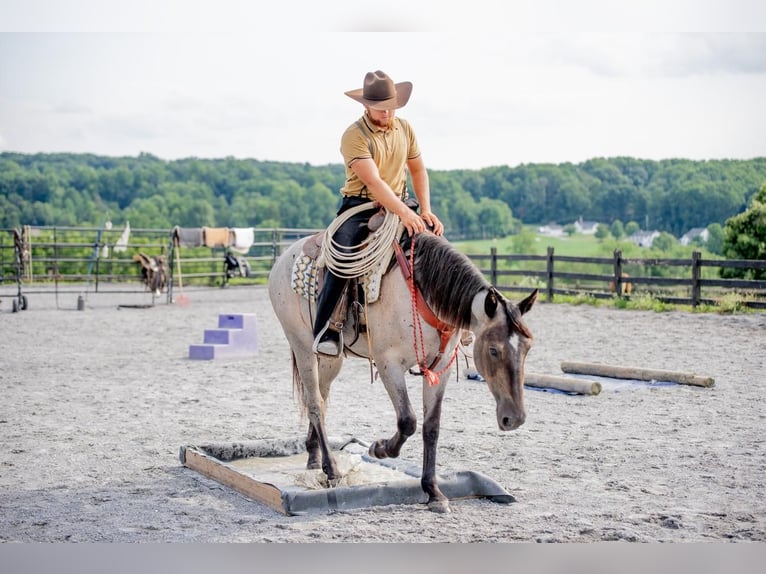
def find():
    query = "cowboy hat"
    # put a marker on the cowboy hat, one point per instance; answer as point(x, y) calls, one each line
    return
point(380, 93)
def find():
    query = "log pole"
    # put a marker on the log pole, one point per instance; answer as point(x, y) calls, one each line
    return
point(636, 373)
point(568, 384)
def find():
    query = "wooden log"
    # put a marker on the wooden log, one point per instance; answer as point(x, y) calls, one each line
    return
point(636, 373)
point(215, 469)
point(568, 384)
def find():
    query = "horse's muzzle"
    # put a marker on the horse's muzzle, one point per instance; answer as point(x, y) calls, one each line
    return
point(510, 417)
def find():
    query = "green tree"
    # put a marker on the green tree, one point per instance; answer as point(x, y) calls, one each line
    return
point(77, 189)
point(320, 202)
point(602, 231)
point(524, 241)
point(714, 242)
point(665, 242)
point(745, 236)
point(494, 218)
point(10, 214)
point(463, 217)
point(617, 229)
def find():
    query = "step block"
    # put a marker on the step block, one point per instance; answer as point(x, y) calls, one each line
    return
point(217, 336)
point(202, 352)
point(238, 321)
point(236, 337)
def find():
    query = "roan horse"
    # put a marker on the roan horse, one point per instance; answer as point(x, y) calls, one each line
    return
point(458, 295)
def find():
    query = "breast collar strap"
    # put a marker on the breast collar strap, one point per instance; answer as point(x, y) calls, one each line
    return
point(445, 330)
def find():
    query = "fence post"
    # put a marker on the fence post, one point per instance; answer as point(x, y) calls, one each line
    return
point(618, 272)
point(696, 286)
point(98, 268)
point(172, 264)
point(493, 266)
point(550, 275)
point(274, 248)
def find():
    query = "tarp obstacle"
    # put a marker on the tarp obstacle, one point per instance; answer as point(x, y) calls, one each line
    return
point(273, 472)
point(236, 337)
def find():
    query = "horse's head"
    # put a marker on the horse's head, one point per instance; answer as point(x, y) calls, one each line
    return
point(499, 351)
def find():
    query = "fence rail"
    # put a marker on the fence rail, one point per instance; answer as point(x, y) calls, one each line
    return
point(39, 259)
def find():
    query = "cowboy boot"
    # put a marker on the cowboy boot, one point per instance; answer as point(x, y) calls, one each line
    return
point(328, 336)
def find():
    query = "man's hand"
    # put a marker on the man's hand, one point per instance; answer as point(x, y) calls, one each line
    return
point(433, 222)
point(413, 222)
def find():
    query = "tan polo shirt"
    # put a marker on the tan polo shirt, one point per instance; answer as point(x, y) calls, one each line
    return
point(389, 149)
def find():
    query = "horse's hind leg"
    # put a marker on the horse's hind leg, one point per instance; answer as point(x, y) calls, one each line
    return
point(312, 438)
point(315, 398)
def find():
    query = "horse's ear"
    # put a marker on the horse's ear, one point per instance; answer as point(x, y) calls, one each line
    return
point(527, 303)
point(490, 303)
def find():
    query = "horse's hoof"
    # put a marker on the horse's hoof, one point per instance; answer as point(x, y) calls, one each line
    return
point(378, 449)
point(439, 506)
point(313, 465)
point(335, 482)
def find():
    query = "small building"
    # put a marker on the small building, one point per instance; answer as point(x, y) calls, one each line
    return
point(551, 230)
point(644, 238)
point(586, 227)
point(693, 234)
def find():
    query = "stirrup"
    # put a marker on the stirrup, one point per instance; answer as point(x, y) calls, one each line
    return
point(329, 347)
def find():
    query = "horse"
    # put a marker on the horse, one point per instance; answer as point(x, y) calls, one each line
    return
point(626, 287)
point(154, 271)
point(459, 296)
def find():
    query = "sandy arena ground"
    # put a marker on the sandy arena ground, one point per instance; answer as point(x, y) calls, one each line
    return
point(96, 403)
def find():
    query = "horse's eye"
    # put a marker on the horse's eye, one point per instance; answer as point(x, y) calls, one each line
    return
point(493, 351)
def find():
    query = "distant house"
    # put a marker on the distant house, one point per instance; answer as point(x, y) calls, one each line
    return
point(551, 230)
point(644, 238)
point(586, 227)
point(693, 234)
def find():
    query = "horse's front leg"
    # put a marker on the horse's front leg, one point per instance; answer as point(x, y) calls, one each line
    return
point(406, 421)
point(432, 410)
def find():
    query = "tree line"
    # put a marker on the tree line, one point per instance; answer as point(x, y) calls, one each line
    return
point(66, 189)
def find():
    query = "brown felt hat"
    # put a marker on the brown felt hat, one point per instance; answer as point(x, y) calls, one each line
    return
point(379, 92)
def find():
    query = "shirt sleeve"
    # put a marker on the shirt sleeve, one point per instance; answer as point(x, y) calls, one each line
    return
point(413, 149)
point(353, 145)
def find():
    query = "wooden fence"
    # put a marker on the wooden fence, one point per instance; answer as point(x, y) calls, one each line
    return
point(42, 259)
point(691, 281)
point(38, 259)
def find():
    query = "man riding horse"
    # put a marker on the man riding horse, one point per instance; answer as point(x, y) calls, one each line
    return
point(379, 149)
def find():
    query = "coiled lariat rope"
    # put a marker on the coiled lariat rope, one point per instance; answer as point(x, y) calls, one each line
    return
point(348, 262)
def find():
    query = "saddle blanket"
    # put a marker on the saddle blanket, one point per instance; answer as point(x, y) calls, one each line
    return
point(305, 278)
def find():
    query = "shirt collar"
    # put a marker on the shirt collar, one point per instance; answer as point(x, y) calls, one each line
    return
point(373, 128)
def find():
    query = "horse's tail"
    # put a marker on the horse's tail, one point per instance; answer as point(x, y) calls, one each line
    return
point(297, 383)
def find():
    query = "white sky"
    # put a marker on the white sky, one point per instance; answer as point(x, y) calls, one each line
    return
point(495, 83)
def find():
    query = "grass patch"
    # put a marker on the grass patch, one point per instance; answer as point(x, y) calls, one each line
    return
point(731, 303)
point(645, 302)
point(578, 299)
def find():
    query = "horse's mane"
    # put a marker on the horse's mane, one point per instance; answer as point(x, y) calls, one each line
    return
point(447, 279)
